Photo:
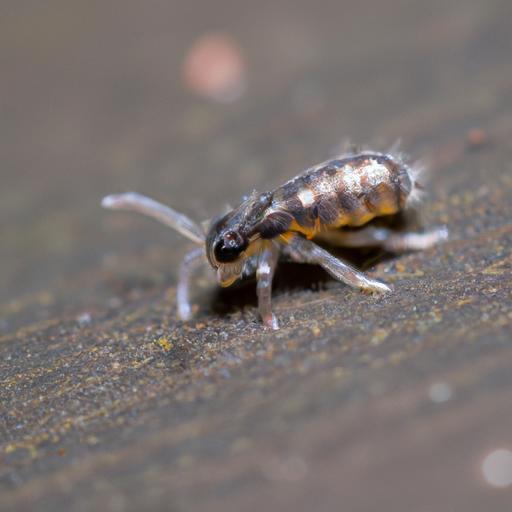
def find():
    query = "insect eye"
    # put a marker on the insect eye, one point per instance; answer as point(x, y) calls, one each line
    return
point(229, 247)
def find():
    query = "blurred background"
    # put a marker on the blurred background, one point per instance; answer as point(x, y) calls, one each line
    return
point(197, 103)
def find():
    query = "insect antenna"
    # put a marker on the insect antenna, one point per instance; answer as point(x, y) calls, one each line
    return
point(132, 201)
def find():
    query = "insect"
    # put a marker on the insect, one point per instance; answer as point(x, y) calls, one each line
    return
point(335, 201)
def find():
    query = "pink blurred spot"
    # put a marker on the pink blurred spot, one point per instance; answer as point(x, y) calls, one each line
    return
point(214, 67)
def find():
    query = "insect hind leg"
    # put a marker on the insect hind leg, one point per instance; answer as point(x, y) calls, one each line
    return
point(301, 250)
point(401, 242)
point(387, 239)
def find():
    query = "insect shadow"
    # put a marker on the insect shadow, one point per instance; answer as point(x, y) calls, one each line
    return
point(294, 277)
point(290, 278)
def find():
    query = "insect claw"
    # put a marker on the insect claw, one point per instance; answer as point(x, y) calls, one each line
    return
point(109, 202)
point(442, 233)
point(375, 287)
point(271, 322)
point(379, 287)
point(184, 312)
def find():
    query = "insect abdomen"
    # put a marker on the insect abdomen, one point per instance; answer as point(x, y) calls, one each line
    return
point(345, 192)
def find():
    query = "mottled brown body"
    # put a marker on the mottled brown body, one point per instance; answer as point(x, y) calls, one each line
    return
point(346, 192)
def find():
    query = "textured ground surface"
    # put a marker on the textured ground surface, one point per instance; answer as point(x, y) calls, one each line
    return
point(358, 403)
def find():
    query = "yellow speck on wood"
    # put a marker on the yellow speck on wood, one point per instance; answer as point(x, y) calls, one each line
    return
point(92, 440)
point(397, 357)
point(164, 343)
point(185, 461)
point(240, 444)
point(45, 298)
point(10, 448)
point(339, 372)
point(379, 336)
point(498, 268)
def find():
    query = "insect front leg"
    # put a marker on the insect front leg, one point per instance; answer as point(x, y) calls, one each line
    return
point(388, 239)
point(192, 261)
point(131, 201)
point(305, 251)
point(267, 264)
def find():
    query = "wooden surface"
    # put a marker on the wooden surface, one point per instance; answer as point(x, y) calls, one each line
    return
point(358, 403)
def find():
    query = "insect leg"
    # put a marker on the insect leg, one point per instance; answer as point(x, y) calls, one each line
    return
point(147, 206)
point(192, 260)
point(401, 242)
point(267, 263)
point(306, 251)
point(388, 239)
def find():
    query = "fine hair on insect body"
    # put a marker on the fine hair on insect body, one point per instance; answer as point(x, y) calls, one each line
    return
point(335, 202)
